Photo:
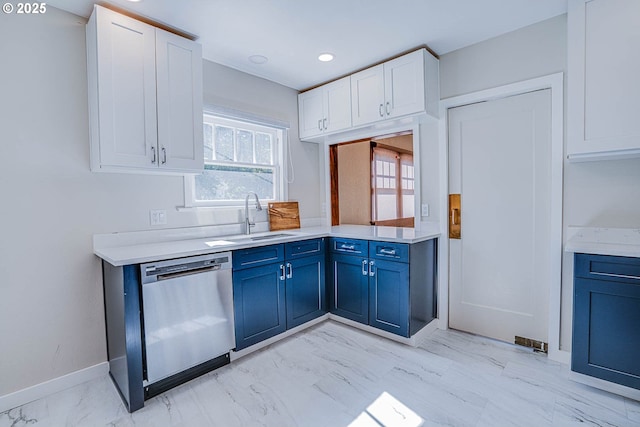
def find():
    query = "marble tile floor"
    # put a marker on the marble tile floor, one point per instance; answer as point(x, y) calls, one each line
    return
point(334, 375)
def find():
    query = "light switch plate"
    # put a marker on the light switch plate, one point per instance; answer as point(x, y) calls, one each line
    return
point(157, 217)
point(424, 209)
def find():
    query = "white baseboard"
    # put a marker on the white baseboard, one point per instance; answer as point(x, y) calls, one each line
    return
point(561, 356)
point(614, 388)
point(38, 391)
point(235, 355)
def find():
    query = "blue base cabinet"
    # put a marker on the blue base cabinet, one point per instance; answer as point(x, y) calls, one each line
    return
point(350, 287)
point(259, 304)
point(389, 297)
point(277, 287)
point(390, 286)
point(606, 318)
point(305, 290)
point(258, 294)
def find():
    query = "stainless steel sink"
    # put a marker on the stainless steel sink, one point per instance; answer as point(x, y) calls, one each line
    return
point(271, 236)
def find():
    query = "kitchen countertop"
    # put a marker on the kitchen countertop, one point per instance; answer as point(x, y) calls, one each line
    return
point(604, 241)
point(175, 247)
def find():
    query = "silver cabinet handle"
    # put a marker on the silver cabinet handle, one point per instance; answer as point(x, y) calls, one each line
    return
point(320, 124)
point(364, 267)
point(324, 124)
point(371, 268)
point(388, 110)
point(164, 156)
point(153, 150)
point(282, 275)
point(289, 270)
point(347, 247)
point(388, 251)
point(380, 110)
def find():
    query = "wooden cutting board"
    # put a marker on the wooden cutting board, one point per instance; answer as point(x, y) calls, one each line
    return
point(283, 216)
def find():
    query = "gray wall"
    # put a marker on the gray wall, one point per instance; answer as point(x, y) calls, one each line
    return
point(603, 193)
point(51, 304)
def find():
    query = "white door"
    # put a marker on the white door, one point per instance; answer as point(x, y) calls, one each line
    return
point(500, 268)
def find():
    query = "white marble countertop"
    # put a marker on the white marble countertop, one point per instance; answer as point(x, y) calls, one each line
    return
point(133, 248)
point(604, 241)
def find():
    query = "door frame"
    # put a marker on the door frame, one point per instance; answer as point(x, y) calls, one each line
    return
point(555, 82)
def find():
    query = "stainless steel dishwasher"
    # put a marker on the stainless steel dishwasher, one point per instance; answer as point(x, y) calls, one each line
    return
point(188, 318)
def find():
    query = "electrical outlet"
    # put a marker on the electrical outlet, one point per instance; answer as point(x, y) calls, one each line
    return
point(424, 209)
point(158, 217)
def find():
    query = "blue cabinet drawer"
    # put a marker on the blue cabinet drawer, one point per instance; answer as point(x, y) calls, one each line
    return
point(254, 257)
point(607, 267)
point(349, 246)
point(304, 248)
point(390, 251)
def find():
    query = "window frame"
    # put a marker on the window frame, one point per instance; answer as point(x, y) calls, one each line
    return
point(241, 120)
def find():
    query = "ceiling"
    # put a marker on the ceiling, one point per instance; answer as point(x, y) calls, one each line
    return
point(292, 33)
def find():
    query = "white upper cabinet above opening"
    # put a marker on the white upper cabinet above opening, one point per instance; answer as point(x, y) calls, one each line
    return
point(402, 87)
point(145, 97)
point(603, 89)
point(325, 109)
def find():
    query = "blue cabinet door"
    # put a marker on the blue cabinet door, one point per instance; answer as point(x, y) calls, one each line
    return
point(606, 318)
point(259, 304)
point(305, 289)
point(389, 296)
point(350, 287)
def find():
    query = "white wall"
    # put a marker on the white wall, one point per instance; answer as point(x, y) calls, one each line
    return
point(604, 193)
point(51, 303)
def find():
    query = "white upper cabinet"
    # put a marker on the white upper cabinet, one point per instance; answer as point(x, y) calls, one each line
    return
point(145, 97)
point(402, 87)
point(603, 89)
point(325, 109)
point(367, 95)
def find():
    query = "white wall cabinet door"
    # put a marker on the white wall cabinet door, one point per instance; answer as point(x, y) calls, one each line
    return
point(604, 65)
point(145, 97)
point(404, 90)
point(337, 104)
point(367, 95)
point(125, 121)
point(179, 98)
point(325, 109)
point(310, 112)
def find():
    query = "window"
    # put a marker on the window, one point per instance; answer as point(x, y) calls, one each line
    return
point(392, 184)
point(239, 157)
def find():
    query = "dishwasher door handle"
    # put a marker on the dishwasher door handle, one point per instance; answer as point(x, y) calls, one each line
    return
point(168, 276)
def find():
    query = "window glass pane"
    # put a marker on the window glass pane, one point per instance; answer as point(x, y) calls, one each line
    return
point(385, 169)
point(224, 144)
point(386, 205)
point(407, 205)
point(233, 183)
point(208, 141)
point(392, 169)
point(263, 149)
point(244, 146)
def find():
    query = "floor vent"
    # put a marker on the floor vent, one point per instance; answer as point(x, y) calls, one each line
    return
point(538, 346)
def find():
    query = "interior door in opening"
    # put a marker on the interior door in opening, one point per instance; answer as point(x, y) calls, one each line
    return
point(500, 268)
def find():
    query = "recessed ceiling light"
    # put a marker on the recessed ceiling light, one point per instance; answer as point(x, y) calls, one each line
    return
point(325, 57)
point(258, 59)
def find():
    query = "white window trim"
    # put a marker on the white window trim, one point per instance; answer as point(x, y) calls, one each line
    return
point(282, 145)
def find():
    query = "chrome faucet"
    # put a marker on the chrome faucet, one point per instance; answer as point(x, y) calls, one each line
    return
point(247, 223)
